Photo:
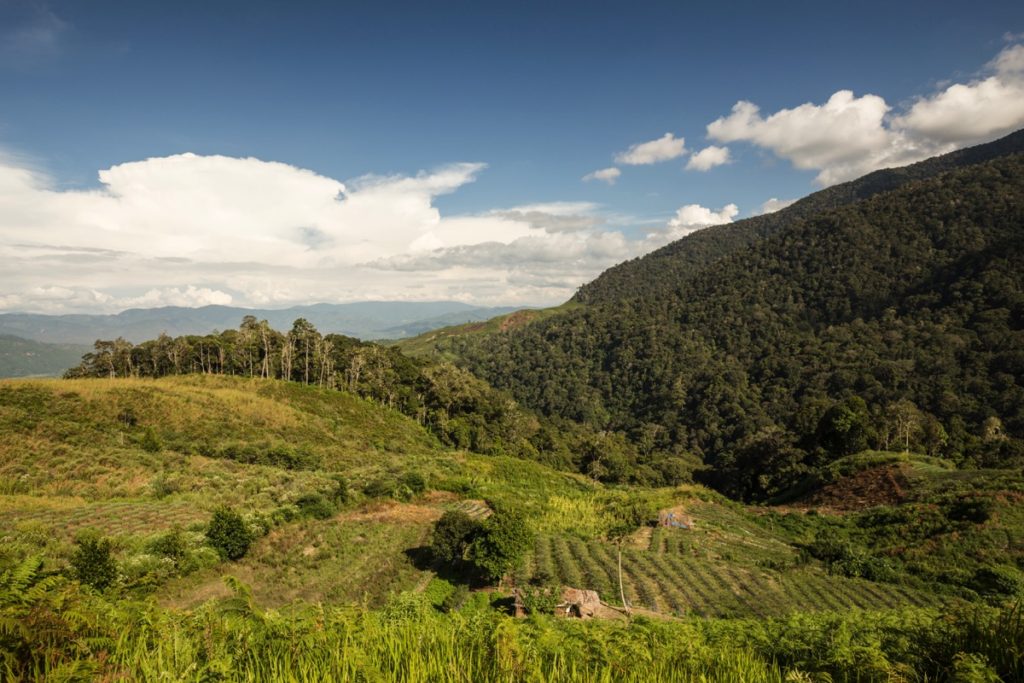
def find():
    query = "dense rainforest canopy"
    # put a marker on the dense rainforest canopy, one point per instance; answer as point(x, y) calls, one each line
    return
point(896, 321)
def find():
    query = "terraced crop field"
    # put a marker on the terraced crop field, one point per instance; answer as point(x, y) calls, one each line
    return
point(66, 517)
point(667, 577)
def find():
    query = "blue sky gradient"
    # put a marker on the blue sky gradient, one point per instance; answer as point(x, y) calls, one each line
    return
point(543, 93)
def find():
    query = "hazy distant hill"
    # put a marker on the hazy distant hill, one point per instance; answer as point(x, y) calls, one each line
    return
point(26, 358)
point(365, 320)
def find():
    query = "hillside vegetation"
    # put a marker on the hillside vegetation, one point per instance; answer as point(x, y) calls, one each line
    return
point(340, 494)
point(893, 322)
point(26, 358)
point(263, 505)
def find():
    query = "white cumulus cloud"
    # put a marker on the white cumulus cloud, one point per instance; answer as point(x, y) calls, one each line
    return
point(667, 147)
point(708, 158)
point(693, 217)
point(772, 205)
point(608, 175)
point(850, 135)
point(972, 112)
point(191, 230)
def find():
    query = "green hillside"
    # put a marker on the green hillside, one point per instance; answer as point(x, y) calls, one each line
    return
point(340, 495)
point(659, 272)
point(895, 319)
point(26, 358)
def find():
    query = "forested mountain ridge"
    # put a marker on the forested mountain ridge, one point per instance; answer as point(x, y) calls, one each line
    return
point(649, 275)
point(893, 320)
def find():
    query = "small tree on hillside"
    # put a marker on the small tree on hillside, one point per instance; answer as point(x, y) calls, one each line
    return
point(93, 563)
point(229, 533)
point(453, 534)
point(502, 544)
point(627, 516)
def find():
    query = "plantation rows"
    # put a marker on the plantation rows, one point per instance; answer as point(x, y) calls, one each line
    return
point(116, 519)
point(476, 509)
point(676, 584)
point(732, 546)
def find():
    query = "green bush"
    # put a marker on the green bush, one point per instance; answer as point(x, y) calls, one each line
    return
point(150, 442)
point(976, 510)
point(171, 545)
point(452, 536)
point(380, 488)
point(438, 591)
point(316, 506)
point(541, 596)
point(93, 563)
point(414, 481)
point(340, 493)
point(502, 545)
point(999, 581)
point(229, 534)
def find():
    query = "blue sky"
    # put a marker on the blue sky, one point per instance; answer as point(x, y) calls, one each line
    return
point(542, 93)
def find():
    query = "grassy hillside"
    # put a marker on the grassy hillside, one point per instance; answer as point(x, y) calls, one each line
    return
point(439, 343)
point(342, 494)
point(135, 458)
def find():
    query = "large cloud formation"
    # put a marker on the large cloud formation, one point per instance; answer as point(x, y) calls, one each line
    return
point(848, 135)
point(193, 230)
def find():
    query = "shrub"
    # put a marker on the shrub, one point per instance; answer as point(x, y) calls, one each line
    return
point(93, 563)
point(503, 543)
point(414, 481)
point(380, 488)
point(977, 510)
point(162, 486)
point(438, 591)
point(316, 506)
point(229, 534)
point(340, 493)
point(453, 534)
point(171, 545)
point(150, 442)
point(998, 580)
point(541, 597)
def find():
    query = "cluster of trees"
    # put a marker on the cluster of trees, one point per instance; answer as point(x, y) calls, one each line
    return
point(488, 548)
point(896, 322)
point(462, 410)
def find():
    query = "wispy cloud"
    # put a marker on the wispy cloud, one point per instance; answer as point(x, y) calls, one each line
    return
point(30, 34)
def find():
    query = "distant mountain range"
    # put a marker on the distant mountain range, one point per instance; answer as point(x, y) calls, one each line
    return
point(365, 320)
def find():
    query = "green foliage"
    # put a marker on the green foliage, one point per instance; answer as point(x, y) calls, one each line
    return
point(150, 442)
point(171, 545)
point(409, 640)
point(92, 562)
point(629, 515)
point(339, 493)
point(453, 534)
point(502, 543)
point(381, 487)
point(999, 581)
point(414, 482)
point(541, 595)
point(883, 323)
point(228, 533)
point(316, 506)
